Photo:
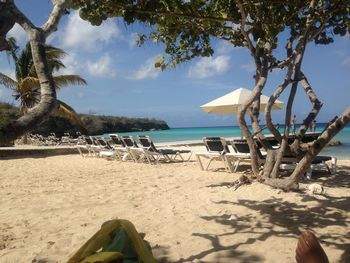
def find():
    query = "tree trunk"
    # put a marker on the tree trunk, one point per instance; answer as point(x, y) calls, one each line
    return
point(272, 100)
point(317, 105)
point(7, 21)
point(269, 162)
point(273, 162)
point(243, 125)
point(254, 113)
point(313, 151)
point(284, 143)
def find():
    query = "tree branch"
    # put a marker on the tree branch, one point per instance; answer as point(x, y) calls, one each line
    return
point(317, 146)
point(317, 105)
point(244, 33)
point(58, 10)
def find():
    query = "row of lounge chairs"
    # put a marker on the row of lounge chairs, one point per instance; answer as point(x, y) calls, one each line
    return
point(125, 148)
point(218, 149)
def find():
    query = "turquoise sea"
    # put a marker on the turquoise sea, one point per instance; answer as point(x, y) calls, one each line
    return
point(195, 134)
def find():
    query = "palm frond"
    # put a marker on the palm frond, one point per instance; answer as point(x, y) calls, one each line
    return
point(8, 82)
point(66, 80)
point(12, 53)
point(24, 63)
point(53, 56)
point(28, 93)
point(56, 64)
point(66, 111)
point(28, 84)
point(54, 52)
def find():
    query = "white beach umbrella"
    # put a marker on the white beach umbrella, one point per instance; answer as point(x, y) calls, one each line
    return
point(232, 102)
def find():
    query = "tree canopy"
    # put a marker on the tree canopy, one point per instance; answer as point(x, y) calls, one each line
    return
point(186, 27)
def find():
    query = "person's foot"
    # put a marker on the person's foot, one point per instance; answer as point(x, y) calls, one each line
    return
point(309, 249)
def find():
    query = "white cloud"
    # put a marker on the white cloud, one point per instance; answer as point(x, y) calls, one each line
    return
point(1, 92)
point(209, 67)
point(249, 67)
point(225, 47)
point(18, 32)
point(73, 66)
point(81, 35)
point(147, 70)
point(101, 68)
point(132, 40)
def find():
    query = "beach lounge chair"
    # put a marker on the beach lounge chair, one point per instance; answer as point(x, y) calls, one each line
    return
point(90, 146)
point(119, 146)
point(217, 149)
point(117, 141)
point(151, 151)
point(95, 147)
point(134, 152)
point(242, 148)
point(318, 163)
point(102, 143)
point(242, 152)
point(106, 149)
point(83, 147)
point(289, 162)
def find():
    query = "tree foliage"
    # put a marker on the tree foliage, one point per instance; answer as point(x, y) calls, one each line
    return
point(186, 27)
point(264, 27)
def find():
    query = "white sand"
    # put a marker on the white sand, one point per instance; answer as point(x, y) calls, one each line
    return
point(51, 206)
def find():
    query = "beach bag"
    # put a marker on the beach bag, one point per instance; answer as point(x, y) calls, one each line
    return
point(116, 242)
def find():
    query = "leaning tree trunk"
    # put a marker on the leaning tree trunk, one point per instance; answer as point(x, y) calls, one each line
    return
point(317, 105)
point(313, 151)
point(37, 37)
point(243, 125)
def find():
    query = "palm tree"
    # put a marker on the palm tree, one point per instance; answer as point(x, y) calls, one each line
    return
point(26, 87)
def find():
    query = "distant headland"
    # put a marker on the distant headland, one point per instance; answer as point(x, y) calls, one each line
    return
point(93, 124)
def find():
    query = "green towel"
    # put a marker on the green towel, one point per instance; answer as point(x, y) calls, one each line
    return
point(116, 241)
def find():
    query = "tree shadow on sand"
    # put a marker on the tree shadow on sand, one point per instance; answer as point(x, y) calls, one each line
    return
point(161, 253)
point(341, 179)
point(282, 218)
point(278, 218)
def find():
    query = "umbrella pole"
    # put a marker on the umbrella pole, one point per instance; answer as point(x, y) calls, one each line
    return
point(240, 108)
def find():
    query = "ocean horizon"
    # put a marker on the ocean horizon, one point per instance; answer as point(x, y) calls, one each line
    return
point(191, 134)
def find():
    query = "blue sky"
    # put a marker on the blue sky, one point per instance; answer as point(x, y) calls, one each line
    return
point(122, 80)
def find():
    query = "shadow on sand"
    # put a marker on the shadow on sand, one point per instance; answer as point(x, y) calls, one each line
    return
point(279, 218)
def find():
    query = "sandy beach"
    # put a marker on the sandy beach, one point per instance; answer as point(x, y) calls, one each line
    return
point(51, 206)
